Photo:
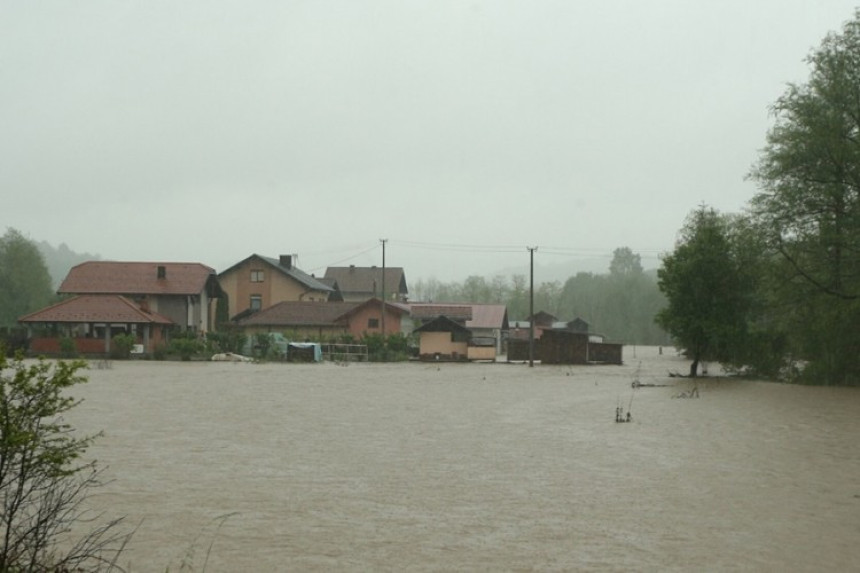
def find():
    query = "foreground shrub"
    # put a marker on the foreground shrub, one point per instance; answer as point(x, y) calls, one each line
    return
point(43, 483)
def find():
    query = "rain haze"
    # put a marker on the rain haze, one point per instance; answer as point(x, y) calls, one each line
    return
point(461, 132)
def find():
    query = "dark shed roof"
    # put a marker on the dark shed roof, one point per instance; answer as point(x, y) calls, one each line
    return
point(442, 324)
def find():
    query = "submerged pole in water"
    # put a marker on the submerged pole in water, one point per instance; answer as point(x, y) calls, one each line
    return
point(531, 306)
point(383, 241)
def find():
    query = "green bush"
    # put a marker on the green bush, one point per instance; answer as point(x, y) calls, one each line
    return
point(67, 347)
point(227, 341)
point(392, 348)
point(185, 345)
point(121, 345)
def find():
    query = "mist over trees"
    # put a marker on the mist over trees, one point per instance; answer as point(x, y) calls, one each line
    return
point(30, 273)
point(59, 260)
point(620, 304)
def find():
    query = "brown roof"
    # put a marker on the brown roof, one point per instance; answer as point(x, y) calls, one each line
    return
point(114, 277)
point(476, 315)
point(307, 313)
point(368, 280)
point(453, 311)
point(96, 308)
point(300, 313)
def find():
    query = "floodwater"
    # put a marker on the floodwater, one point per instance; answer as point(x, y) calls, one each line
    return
point(473, 467)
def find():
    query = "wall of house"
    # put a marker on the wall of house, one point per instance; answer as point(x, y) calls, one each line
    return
point(481, 353)
point(562, 347)
point(494, 333)
point(85, 346)
point(432, 343)
point(173, 307)
point(518, 349)
point(274, 288)
point(610, 353)
point(284, 288)
point(358, 322)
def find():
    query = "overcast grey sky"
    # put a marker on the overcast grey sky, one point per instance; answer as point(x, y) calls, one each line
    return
point(210, 130)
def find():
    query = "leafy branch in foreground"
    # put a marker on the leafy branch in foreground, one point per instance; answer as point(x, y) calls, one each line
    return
point(43, 480)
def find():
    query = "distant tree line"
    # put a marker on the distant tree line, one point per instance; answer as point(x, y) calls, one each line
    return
point(620, 304)
point(775, 291)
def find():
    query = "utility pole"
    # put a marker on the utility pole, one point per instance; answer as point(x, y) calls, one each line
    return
point(383, 241)
point(531, 306)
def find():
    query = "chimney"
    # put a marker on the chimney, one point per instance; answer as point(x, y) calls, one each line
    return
point(286, 261)
point(352, 268)
point(161, 272)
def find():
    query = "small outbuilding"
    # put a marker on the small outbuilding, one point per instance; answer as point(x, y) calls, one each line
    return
point(443, 339)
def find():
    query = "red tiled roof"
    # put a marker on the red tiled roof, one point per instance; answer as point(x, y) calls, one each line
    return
point(96, 308)
point(113, 277)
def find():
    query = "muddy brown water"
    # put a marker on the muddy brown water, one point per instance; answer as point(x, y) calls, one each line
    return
point(473, 467)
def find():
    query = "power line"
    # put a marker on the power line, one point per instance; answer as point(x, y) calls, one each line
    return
point(347, 259)
point(586, 252)
point(596, 252)
point(459, 247)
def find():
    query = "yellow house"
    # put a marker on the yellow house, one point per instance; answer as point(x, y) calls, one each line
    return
point(259, 282)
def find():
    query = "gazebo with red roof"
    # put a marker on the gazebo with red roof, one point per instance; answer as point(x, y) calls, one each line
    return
point(91, 321)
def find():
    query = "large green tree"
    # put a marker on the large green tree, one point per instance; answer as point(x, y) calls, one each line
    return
point(808, 207)
point(25, 284)
point(707, 292)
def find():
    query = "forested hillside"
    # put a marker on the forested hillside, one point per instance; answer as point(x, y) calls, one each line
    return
point(59, 260)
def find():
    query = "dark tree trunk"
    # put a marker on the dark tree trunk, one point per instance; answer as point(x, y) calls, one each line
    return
point(694, 368)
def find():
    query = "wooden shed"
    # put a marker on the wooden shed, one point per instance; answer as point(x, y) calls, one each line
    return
point(562, 347)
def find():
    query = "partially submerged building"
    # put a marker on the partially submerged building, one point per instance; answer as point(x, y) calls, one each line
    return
point(487, 323)
point(557, 342)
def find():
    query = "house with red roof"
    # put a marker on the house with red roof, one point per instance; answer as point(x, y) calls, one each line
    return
point(90, 321)
point(106, 298)
point(185, 293)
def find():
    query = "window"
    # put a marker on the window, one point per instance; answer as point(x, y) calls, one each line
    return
point(257, 276)
point(372, 323)
point(256, 302)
